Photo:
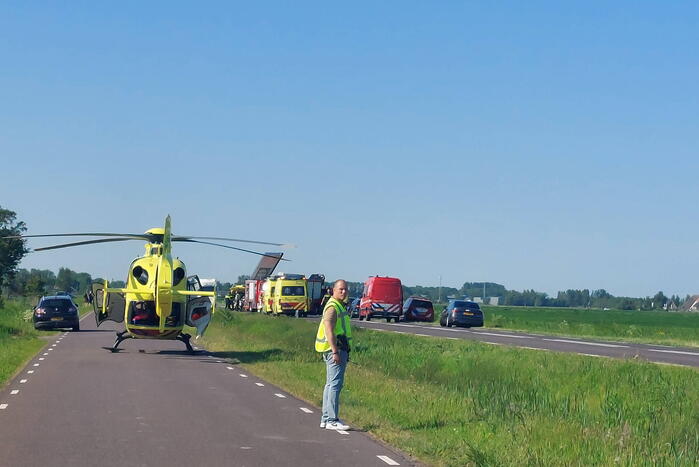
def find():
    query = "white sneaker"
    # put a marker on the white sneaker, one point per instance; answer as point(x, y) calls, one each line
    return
point(322, 424)
point(336, 425)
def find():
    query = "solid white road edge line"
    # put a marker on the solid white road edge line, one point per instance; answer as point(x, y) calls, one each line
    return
point(388, 460)
point(675, 351)
point(584, 343)
point(501, 335)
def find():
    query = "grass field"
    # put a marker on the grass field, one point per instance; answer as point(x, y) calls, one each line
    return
point(19, 341)
point(656, 327)
point(465, 403)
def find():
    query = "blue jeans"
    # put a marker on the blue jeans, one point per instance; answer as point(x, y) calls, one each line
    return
point(334, 379)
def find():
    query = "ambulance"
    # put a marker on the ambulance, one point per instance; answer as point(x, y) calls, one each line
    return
point(268, 294)
point(290, 296)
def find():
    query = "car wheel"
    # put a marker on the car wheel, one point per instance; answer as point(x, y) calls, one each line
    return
point(449, 324)
point(368, 318)
point(361, 318)
point(388, 320)
point(76, 328)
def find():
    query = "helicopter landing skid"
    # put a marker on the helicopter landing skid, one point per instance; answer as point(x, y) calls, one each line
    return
point(185, 338)
point(120, 337)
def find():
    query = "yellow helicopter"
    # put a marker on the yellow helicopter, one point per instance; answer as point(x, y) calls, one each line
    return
point(159, 298)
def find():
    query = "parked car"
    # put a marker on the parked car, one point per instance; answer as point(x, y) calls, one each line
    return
point(382, 298)
point(56, 311)
point(354, 307)
point(462, 313)
point(418, 309)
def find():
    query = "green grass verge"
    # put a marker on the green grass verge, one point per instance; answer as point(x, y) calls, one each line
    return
point(634, 326)
point(19, 341)
point(450, 402)
point(652, 327)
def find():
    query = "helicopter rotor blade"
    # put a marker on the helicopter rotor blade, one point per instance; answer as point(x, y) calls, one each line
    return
point(88, 242)
point(85, 234)
point(180, 238)
point(189, 240)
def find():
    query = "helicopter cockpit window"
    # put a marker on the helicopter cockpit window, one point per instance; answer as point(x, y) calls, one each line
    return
point(143, 314)
point(177, 276)
point(140, 274)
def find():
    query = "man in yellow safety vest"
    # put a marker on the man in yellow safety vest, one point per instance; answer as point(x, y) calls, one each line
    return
point(333, 341)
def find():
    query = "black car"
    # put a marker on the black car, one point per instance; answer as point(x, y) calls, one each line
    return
point(462, 313)
point(354, 307)
point(56, 311)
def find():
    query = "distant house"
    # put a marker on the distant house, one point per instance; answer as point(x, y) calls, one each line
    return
point(691, 304)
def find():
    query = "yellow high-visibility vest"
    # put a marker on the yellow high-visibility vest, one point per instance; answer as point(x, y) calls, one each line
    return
point(342, 325)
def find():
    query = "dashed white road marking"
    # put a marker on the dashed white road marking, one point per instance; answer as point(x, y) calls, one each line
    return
point(400, 332)
point(388, 460)
point(281, 396)
point(453, 338)
point(53, 345)
point(36, 364)
point(50, 350)
point(45, 354)
point(3, 406)
point(535, 348)
point(259, 384)
point(243, 376)
point(591, 355)
point(40, 359)
point(681, 352)
point(584, 343)
point(22, 381)
point(230, 367)
point(342, 432)
point(30, 372)
point(491, 343)
point(304, 409)
point(423, 335)
point(14, 391)
point(219, 361)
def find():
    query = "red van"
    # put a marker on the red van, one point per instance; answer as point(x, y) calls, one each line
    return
point(382, 298)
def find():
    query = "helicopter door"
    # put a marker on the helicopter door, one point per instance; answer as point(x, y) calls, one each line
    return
point(199, 313)
point(193, 283)
point(115, 304)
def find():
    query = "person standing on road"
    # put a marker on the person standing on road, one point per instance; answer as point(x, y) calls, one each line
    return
point(333, 341)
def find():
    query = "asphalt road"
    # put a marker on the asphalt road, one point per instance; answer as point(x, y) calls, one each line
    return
point(153, 404)
point(594, 348)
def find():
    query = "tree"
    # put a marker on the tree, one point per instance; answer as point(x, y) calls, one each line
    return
point(241, 279)
point(12, 250)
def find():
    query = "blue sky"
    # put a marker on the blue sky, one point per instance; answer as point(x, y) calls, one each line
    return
point(544, 145)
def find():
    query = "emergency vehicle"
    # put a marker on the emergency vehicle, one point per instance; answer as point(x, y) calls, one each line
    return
point(290, 295)
point(253, 292)
point(268, 294)
point(382, 298)
point(315, 293)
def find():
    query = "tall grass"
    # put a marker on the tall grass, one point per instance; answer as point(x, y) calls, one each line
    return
point(638, 326)
point(18, 339)
point(466, 403)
